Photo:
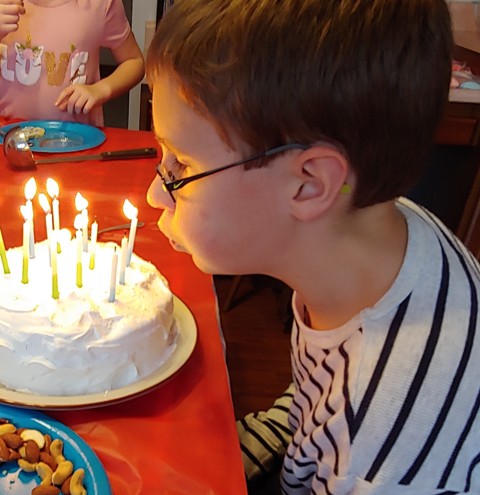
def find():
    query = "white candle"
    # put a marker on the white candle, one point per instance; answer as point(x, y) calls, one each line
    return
point(123, 259)
point(93, 244)
point(26, 243)
point(30, 191)
point(53, 191)
point(131, 212)
point(85, 230)
point(78, 224)
point(52, 242)
point(43, 200)
point(81, 205)
point(113, 276)
point(3, 255)
point(131, 239)
point(56, 213)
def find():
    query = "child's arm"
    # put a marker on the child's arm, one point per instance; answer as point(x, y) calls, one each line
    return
point(10, 12)
point(81, 98)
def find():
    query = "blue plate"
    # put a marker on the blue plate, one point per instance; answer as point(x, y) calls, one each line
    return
point(14, 481)
point(61, 137)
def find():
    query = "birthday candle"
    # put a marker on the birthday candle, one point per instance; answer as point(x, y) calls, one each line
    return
point(52, 243)
point(30, 191)
point(43, 200)
point(78, 224)
point(3, 255)
point(93, 244)
point(113, 276)
point(131, 212)
point(26, 243)
point(81, 205)
point(123, 259)
point(53, 191)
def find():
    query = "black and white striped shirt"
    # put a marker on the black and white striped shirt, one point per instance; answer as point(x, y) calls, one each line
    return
point(388, 404)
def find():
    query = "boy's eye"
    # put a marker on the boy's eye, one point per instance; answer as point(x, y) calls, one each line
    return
point(177, 169)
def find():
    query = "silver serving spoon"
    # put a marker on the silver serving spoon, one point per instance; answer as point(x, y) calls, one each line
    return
point(20, 156)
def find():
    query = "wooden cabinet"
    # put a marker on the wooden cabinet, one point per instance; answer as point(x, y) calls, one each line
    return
point(461, 126)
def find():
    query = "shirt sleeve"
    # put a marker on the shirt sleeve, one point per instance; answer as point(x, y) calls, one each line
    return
point(117, 27)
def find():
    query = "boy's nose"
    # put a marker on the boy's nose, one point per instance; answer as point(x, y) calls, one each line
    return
point(157, 197)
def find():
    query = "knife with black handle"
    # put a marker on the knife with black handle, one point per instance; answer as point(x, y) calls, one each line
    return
point(103, 156)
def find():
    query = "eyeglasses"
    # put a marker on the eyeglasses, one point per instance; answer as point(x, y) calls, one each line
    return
point(173, 184)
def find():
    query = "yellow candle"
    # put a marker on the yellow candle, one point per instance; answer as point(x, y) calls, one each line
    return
point(53, 261)
point(3, 255)
point(79, 225)
point(26, 243)
point(93, 244)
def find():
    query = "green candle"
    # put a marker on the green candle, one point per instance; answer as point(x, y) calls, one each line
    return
point(3, 255)
point(26, 251)
point(78, 224)
point(53, 260)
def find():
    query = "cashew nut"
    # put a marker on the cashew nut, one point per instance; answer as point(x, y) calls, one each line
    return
point(7, 428)
point(56, 449)
point(27, 466)
point(76, 483)
point(45, 472)
point(63, 471)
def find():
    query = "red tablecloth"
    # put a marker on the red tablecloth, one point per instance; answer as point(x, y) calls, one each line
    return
point(181, 437)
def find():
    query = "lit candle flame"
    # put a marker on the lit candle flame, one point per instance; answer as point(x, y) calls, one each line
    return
point(52, 188)
point(30, 188)
point(26, 212)
point(79, 222)
point(80, 202)
point(43, 200)
point(63, 236)
point(130, 211)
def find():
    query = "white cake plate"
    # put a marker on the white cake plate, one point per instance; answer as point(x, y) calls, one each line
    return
point(186, 340)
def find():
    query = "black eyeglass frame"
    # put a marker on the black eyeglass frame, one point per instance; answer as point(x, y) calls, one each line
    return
point(176, 184)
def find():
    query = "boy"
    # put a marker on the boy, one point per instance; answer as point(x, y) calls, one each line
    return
point(290, 130)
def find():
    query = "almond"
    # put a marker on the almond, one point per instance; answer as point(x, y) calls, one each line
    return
point(14, 455)
point(13, 440)
point(32, 452)
point(4, 452)
point(66, 486)
point(48, 441)
point(48, 459)
point(46, 490)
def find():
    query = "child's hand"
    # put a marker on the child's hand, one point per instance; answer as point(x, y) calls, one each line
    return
point(80, 98)
point(10, 12)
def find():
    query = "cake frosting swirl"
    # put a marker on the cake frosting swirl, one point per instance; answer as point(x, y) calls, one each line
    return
point(81, 343)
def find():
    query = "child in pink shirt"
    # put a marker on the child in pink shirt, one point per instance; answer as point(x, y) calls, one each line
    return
point(49, 58)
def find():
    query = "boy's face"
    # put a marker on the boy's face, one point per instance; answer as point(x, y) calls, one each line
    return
point(229, 222)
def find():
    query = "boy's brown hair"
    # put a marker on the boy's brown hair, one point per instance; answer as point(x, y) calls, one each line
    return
point(369, 76)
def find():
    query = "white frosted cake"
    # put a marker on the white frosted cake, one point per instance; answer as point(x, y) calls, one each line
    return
point(81, 343)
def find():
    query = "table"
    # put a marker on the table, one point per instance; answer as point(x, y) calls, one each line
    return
point(179, 439)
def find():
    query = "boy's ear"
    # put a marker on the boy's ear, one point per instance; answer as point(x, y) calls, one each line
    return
point(322, 171)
